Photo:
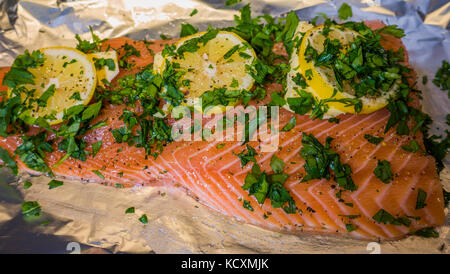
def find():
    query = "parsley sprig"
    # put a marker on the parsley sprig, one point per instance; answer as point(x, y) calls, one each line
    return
point(321, 160)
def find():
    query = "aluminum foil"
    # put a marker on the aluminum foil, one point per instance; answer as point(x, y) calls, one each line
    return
point(91, 218)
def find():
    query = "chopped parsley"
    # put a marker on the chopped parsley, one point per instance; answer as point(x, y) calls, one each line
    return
point(75, 96)
point(270, 186)
point(187, 29)
point(247, 205)
point(446, 195)
point(144, 219)
point(373, 139)
point(8, 161)
point(54, 184)
point(219, 146)
point(31, 209)
point(27, 185)
point(129, 210)
point(413, 146)
point(96, 147)
point(383, 171)
point(321, 160)
point(350, 227)
point(147, 87)
point(290, 125)
point(382, 216)
point(276, 164)
point(247, 155)
point(428, 232)
point(230, 3)
point(129, 50)
point(421, 197)
point(194, 12)
point(42, 101)
point(102, 62)
point(99, 174)
point(89, 47)
point(345, 11)
point(442, 77)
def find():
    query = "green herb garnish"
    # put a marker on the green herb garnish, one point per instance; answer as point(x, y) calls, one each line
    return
point(54, 184)
point(290, 125)
point(442, 77)
point(383, 171)
point(144, 219)
point(373, 139)
point(421, 197)
point(345, 11)
point(31, 208)
point(27, 185)
point(247, 205)
point(428, 232)
point(8, 161)
point(99, 174)
point(382, 216)
point(413, 146)
point(321, 160)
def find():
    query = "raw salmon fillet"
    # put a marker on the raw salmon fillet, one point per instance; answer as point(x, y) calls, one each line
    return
point(214, 176)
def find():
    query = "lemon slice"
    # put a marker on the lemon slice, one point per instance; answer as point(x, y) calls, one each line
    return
point(105, 72)
point(322, 82)
point(220, 63)
point(69, 74)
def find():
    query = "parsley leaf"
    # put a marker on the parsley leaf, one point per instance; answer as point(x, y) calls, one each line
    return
point(42, 101)
point(99, 174)
point(290, 125)
point(321, 160)
point(30, 209)
point(382, 216)
point(350, 227)
point(413, 146)
point(96, 147)
point(393, 30)
point(91, 111)
point(276, 164)
point(248, 156)
point(230, 3)
point(345, 11)
point(54, 184)
point(89, 47)
point(194, 12)
point(27, 185)
point(144, 219)
point(442, 77)
point(246, 204)
point(102, 62)
point(19, 74)
point(383, 171)
point(421, 197)
point(372, 139)
point(446, 197)
point(8, 161)
point(187, 29)
point(428, 232)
